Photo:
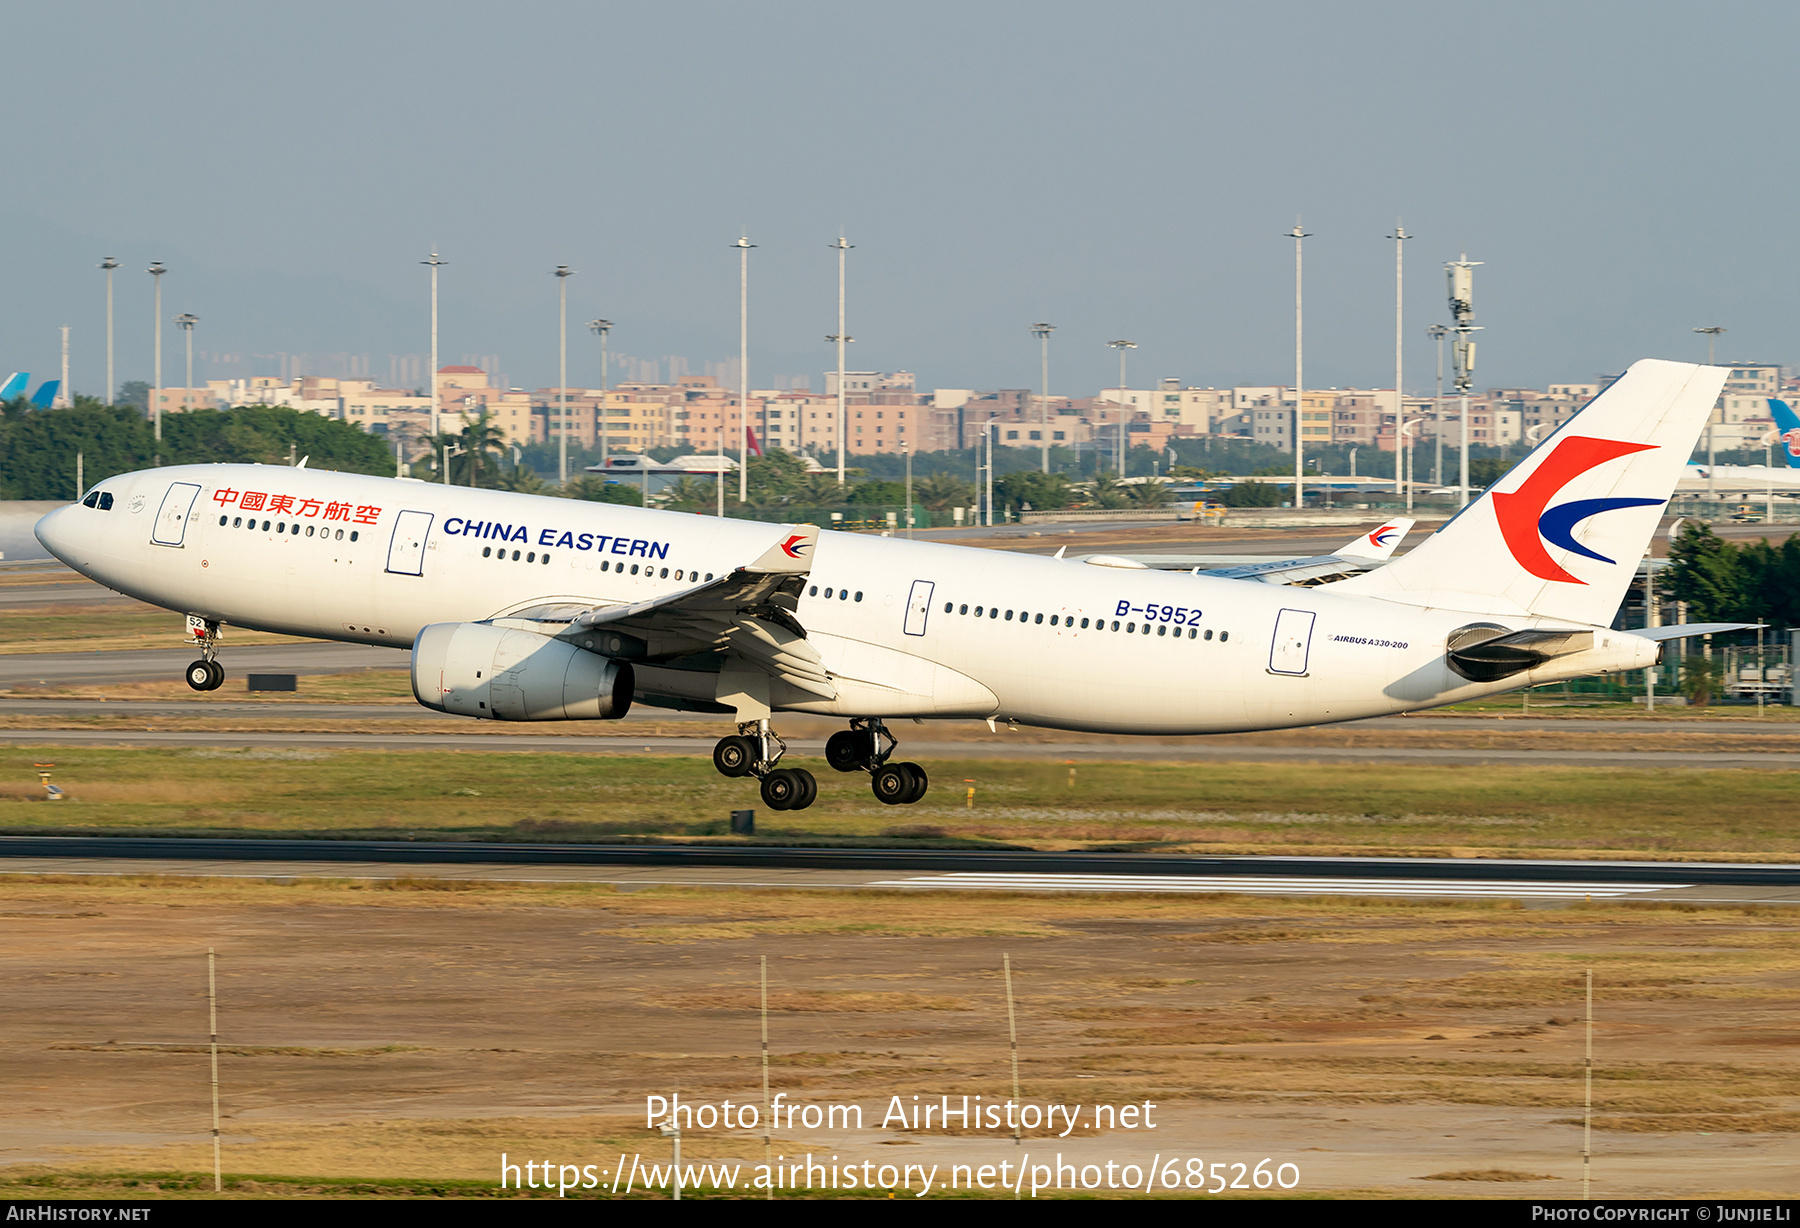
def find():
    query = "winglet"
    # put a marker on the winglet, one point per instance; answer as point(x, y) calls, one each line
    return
point(1378, 544)
point(792, 555)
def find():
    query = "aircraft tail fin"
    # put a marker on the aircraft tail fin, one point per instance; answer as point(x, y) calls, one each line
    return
point(14, 385)
point(1560, 536)
point(45, 396)
point(1787, 429)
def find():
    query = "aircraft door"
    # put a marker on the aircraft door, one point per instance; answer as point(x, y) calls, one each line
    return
point(1293, 642)
point(172, 516)
point(918, 607)
point(406, 552)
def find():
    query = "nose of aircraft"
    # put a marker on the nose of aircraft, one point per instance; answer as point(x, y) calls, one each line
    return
point(56, 533)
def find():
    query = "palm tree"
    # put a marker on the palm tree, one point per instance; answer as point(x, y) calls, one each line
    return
point(479, 438)
point(941, 491)
point(1108, 491)
point(687, 495)
point(1151, 494)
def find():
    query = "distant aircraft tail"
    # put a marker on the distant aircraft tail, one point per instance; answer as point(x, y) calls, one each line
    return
point(1561, 534)
point(14, 385)
point(45, 396)
point(1787, 428)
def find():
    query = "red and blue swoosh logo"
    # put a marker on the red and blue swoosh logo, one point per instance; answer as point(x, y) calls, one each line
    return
point(1527, 520)
point(794, 545)
point(1382, 536)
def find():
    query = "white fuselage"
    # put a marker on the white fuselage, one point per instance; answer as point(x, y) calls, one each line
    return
point(1055, 643)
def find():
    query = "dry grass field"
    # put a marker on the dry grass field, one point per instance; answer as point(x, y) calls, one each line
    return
point(385, 1039)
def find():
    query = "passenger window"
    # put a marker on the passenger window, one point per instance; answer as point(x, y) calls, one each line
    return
point(1161, 629)
point(859, 595)
point(237, 522)
point(663, 574)
point(96, 503)
point(1115, 625)
point(994, 612)
point(487, 552)
point(948, 606)
point(977, 611)
point(280, 527)
point(1223, 636)
point(352, 534)
point(515, 556)
point(532, 557)
point(1084, 623)
point(605, 565)
point(813, 591)
point(265, 527)
point(678, 573)
point(709, 575)
point(340, 535)
point(1209, 633)
point(309, 530)
point(546, 559)
point(1009, 616)
point(1039, 618)
point(828, 592)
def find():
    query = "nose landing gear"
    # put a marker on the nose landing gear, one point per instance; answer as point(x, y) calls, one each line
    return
point(866, 747)
point(754, 751)
point(206, 674)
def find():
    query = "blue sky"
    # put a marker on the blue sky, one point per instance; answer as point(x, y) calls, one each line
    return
point(1120, 170)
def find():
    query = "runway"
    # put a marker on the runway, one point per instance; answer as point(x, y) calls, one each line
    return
point(638, 866)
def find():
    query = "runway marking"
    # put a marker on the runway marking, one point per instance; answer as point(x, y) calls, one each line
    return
point(1254, 884)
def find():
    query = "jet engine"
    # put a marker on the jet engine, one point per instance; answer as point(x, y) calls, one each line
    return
point(504, 674)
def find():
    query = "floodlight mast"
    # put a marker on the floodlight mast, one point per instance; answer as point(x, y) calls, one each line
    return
point(1042, 333)
point(562, 273)
point(601, 328)
point(109, 264)
point(1711, 332)
point(1462, 350)
point(1297, 234)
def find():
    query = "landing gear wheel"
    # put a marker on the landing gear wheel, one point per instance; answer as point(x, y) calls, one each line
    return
point(921, 783)
point(782, 789)
point(847, 750)
point(809, 789)
point(732, 756)
point(200, 676)
point(893, 784)
point(218, 675)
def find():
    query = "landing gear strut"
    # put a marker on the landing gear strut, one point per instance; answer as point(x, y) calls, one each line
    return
point(754, 751)
point(866, 747)
point(206, 674)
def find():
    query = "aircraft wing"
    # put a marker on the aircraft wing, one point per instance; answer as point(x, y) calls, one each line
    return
point(747, 613)
point(1360, 554)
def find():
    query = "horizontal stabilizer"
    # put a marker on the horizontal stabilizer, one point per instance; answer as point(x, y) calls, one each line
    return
point(1682, 632)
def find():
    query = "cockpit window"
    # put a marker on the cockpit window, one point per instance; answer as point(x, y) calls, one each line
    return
point(106, 500)
point(101, 499)
point(93, 500)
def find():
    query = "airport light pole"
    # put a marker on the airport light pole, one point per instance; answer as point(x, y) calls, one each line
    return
point(600, 329)
point(1400, 237)
point(156, 271)
point(1462, 350)
point(1436, 333)
point(562, 273)
point(843, 338)
point(435, 264)
point(1042, 333)
point(1711, 333)
point(63, 399)
point(109, 264)
point(1121, 346)
point(744, 245)
point(187, 320)
point(1298, 235)
point(1405, 464)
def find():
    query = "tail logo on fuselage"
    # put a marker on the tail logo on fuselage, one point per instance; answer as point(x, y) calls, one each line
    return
point(1527, 521)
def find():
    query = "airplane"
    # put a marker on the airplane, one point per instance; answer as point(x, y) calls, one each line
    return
point(1739, 479)
point(521, 607)
point(1362, 552)
point(15, 386)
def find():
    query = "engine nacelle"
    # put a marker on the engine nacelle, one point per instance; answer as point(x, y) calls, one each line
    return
point(503, 674)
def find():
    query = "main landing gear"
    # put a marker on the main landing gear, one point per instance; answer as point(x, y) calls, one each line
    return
point(754, 751)
point(206, 674)
point(866, 747)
